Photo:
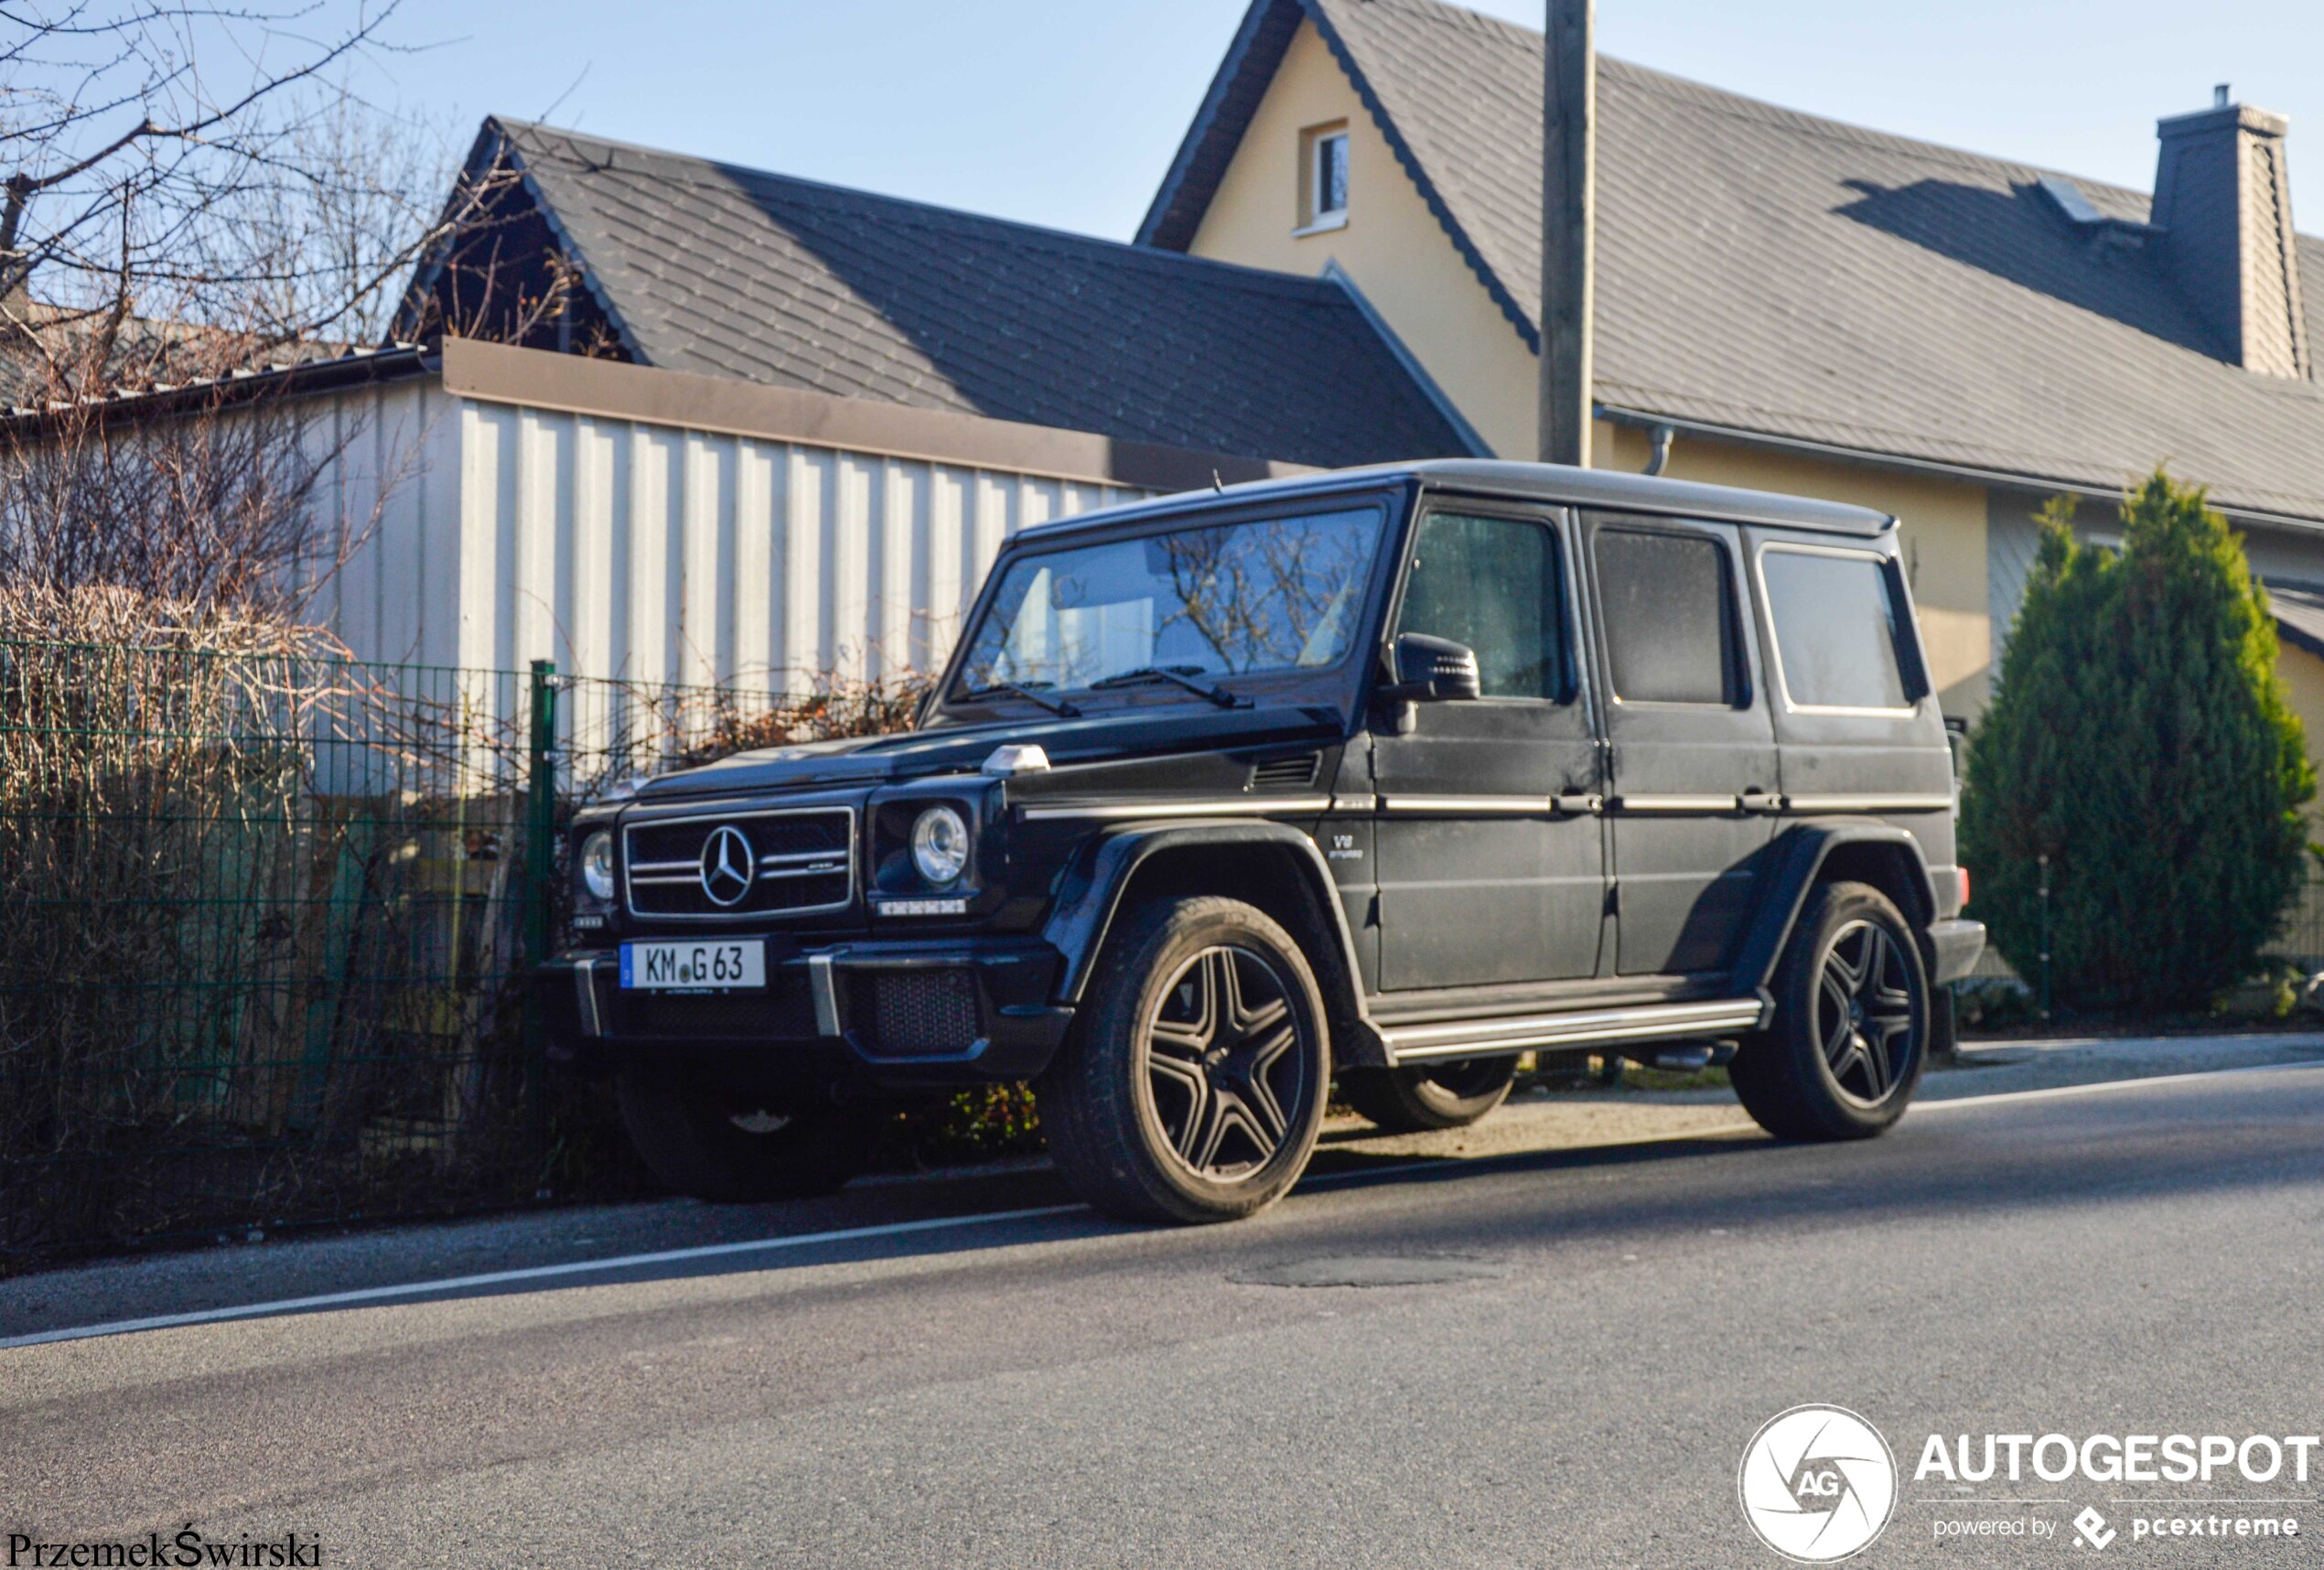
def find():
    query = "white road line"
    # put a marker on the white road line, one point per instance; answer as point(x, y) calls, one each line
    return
point(530, 1273)
point(942, 1224)
point(2101, 1086)
point(599, 1267)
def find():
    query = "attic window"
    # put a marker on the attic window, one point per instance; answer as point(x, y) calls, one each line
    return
point(1323, 178)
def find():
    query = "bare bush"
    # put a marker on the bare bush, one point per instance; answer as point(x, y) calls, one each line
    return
point(210, 512)
point(261, 957)
point(258, 935)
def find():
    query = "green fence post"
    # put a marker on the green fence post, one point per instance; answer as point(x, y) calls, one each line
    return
point(540, 871)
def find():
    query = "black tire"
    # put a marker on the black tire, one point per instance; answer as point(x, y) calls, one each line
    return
point(1193, 1085)
point(1421, 1099)
point(1818, 1072)
point(724, 1142)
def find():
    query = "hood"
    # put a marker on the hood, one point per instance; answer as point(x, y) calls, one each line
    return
point(1134, 730)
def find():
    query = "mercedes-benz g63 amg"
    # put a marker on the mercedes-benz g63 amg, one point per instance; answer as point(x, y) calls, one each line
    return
point(1384, 777)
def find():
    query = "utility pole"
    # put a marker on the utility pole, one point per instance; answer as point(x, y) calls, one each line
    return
point(1570, 223)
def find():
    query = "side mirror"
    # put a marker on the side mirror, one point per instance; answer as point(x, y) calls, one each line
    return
point(1431, 668)
point(1428, 670)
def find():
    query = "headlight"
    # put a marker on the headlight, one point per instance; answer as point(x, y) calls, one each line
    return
point(940, 845)
point(596, 865)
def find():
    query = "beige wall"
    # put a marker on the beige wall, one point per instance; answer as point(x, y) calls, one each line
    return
point(1392, 247)
point(2303, 675)
point(1942, 522)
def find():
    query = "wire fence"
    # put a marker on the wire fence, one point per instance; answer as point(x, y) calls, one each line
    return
point(264, 922)
point(2300, 941)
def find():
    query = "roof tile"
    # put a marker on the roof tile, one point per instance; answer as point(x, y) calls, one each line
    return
point(736, 272)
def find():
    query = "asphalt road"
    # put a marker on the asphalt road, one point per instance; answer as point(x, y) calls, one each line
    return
point(1612, 1328)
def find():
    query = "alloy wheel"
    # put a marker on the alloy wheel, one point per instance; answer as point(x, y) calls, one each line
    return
point(1864, 1012)
point(1221, 1064)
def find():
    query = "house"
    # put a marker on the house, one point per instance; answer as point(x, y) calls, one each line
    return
point(1790, 303)
point(742, 426)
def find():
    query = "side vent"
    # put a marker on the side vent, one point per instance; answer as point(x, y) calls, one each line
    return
point(1295, 773)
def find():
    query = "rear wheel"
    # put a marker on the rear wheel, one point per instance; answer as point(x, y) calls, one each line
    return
point(1439, 1095)
point(1193, 1086)
point(722, 1141)
point(1851, 1029)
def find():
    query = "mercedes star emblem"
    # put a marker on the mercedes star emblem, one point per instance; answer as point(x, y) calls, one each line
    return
point(728, 867)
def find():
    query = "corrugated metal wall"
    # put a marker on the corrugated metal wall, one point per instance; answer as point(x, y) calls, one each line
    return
point(503, 535)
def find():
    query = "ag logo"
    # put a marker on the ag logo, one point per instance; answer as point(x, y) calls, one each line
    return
point(1817, 1483)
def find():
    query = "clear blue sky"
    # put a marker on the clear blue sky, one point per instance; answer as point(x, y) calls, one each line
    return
point(1066, 112)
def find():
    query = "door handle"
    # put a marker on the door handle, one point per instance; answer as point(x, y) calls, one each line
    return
point(1578, 803)
point(1759, 801)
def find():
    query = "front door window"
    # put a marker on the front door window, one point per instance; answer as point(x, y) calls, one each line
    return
point(1494, 583)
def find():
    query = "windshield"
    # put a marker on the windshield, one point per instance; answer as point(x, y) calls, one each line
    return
point(1272, 594)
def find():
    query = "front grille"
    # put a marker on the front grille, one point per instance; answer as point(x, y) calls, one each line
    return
point(802, 861)
point(786, 1011)
point(915, 1014)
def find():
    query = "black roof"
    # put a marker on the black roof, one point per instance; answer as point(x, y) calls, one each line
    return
point(708, 267)
point(1769, 272)
point(1613, 489)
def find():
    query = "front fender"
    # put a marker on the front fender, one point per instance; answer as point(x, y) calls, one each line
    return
point(1090, 899)
point(1798, 857)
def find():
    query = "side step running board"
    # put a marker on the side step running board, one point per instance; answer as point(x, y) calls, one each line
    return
point(1639, 1022)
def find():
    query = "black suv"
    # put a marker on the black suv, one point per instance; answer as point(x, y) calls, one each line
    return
point(1382, 777)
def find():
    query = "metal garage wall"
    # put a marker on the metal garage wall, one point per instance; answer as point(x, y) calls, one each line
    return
point(619, 548)
point(487, 534)
point(387, 524)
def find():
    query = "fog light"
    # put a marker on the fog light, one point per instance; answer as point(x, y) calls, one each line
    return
point(940, 845)
point(596, 866)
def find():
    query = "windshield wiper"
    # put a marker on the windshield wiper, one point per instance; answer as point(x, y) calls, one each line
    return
point(1056, 706)
point(1182, 675)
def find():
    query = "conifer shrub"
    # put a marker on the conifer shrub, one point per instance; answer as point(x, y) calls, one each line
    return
point(2140, 738)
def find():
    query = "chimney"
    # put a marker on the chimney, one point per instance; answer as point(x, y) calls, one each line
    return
point(2225, 203)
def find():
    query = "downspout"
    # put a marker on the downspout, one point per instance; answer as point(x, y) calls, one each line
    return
point(1661, 456)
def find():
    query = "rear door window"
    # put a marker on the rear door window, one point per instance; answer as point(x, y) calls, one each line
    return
point(1669, 617)
point(1838, 624)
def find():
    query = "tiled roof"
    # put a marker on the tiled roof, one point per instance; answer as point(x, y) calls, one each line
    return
point(707, 267)
point(1771, 272)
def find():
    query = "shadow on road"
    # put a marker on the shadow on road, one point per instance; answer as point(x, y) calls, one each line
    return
point(2220, 1132)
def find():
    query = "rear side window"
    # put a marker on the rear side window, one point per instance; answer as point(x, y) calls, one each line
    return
point(1837, 620)
point(1494, 583)
point(1669, 617)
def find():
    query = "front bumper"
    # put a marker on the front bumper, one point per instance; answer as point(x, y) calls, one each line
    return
point(910, 1015)
point(1957, 943)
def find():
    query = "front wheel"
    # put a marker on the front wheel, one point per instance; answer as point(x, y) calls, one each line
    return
point(720, 1140)
point(1193, 1086)
point(1851, 1029)
point(1419, 1099)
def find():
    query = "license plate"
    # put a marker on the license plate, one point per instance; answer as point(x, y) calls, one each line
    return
point(709, 964)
